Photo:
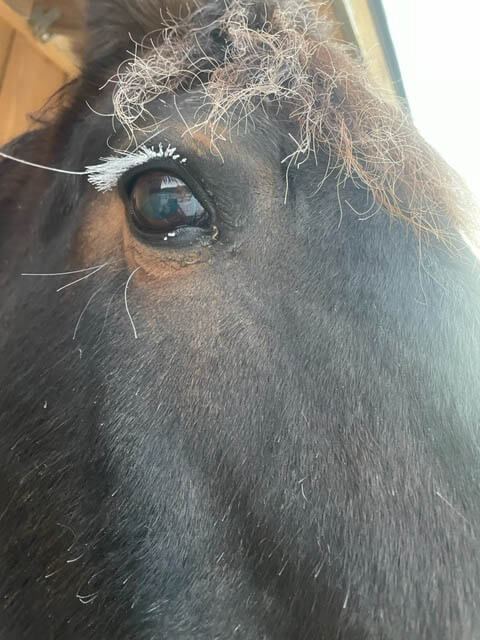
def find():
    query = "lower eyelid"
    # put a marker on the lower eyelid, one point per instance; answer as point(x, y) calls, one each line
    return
point(185, 238)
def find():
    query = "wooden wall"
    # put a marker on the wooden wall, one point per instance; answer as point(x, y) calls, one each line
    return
point(30, 70)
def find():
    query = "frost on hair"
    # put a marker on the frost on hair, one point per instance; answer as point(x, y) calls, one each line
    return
point(244, 55)
point(105, 175)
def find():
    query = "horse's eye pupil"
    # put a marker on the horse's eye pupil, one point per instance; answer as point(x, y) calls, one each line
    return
point(162, 203)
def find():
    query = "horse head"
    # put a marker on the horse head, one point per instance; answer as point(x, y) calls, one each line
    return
point(240, 356)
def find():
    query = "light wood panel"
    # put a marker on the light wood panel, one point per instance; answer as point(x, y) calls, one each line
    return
point(30, 70)
point(6, 40)
point(29, 81)
point(55, 50)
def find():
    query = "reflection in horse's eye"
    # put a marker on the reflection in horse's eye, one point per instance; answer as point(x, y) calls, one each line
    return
point(162, 203)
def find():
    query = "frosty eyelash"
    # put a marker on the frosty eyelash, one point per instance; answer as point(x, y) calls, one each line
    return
point(105, 175)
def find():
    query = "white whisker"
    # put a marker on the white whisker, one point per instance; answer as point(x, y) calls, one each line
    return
point(107, 310)
point(126, 302)
point(92, 273)
point(84, 311)
point(64, 273)
point(42, 166)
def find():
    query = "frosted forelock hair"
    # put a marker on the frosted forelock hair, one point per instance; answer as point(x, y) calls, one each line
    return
point(245, 55)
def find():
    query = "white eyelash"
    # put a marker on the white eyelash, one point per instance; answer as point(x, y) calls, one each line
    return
point(105, 175)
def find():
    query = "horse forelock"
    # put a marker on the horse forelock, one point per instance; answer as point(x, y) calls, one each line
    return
point(248, 56)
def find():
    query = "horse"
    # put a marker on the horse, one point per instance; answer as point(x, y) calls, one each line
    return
point(240, 358)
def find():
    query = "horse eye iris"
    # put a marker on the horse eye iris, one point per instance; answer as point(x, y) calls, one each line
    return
point(162, 203)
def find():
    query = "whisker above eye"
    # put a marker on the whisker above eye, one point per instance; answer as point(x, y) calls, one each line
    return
point(42, 166)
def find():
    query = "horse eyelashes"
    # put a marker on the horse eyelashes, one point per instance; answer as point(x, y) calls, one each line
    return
point(105, 175)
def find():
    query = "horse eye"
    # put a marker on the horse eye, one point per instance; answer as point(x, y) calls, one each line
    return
point(162, 203)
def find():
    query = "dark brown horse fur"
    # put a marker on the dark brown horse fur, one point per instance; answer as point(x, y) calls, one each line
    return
point(290, 449)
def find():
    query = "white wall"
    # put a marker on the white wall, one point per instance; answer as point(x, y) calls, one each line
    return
point(437, 43)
